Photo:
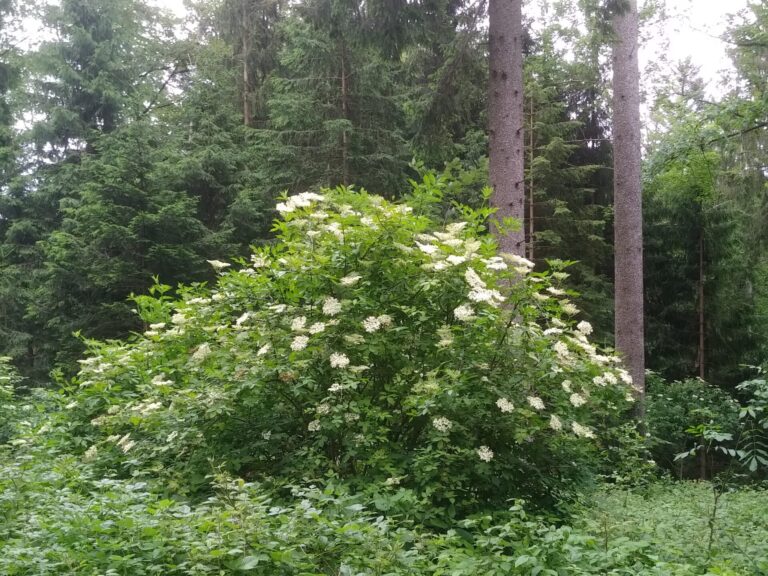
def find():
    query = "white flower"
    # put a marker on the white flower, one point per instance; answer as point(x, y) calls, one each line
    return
point(242, 319)
point(577, 399)
point(427, 248)
point(555, 423)
point(505, 405)
point(314, 426)
point(339, 360)
point(299, 323)
point(179, 318)
point(323, 409)
point(264, 350)
point(485, 454)
point(335, 387)
point(569, 308)
point(625, 377)
point(331, 306)
point(371, 324)
point(584, 327)
point(566, 385)
point(279, 308)
point(599, 380)
point(386, 320)
point(540, 297)
point(317, 327)
point(495, 263)
point(160, 380)
point(302, 200)
point(535, 402)
point(492, 297)
point(202, 352)
point(91, 453)
point(581, 431)
point(218, 264)
point(267, 434)
point(455, 227)
point(354, 339)
point(555, 291)
point(561, 348)
point(553, 331)
point(158, 326)
point(259, 261)
point(442, 424)
point(456, 260)
point(464, 313)
point(299, 343)
point(473, 279)
point(518, 261)
point(610, 378)
point(350, 280)
point(446, 336)
point(392, 481)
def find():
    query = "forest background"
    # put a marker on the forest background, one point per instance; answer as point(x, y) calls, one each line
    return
point(154, 394)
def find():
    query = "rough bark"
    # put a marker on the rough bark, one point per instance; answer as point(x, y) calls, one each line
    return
point(246, 54)
point(506, 115)
point(628, 205)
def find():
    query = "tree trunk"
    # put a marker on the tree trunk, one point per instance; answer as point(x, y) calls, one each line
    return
point(531, 201)
point(628, 200)
point(506, 115)
point(345, 116)
point(246, 50)
point(702, 323)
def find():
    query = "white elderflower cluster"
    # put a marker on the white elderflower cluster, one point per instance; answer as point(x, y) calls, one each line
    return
point(316, 328)
point(464, 313)
point(299, 343)
point(339, 360)
point(218, 265)
point(577, 399)
point(505, 405)
point(584, 327)
point(446, 336)
point(314, 426)
point(371, 324)
point(160, 380)
point(520, 265)
point(535, 402)
point(299, 323)
point(350, 280)
point(485, 454)
point(303, 200)
point(582, 431)
point(202, 352)
point(479, 289)
point(569, 308)
point(442, 424)
point(561, 348)
point(331, 306)
point(264, 350)
point(555, 423)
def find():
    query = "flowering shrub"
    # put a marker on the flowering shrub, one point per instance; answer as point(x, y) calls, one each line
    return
point(369, 344)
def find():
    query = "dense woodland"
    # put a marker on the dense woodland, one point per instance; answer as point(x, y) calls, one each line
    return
point(261, 312)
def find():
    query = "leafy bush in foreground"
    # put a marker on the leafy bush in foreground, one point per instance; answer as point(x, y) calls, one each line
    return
point(369, 345)
point(58, 517)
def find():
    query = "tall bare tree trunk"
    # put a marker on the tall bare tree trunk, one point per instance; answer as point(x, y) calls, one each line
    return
point(531, 201)
point(246, 49)
point(628, 198)
point(702, 323)
point(506, 115)
point(345, 116)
